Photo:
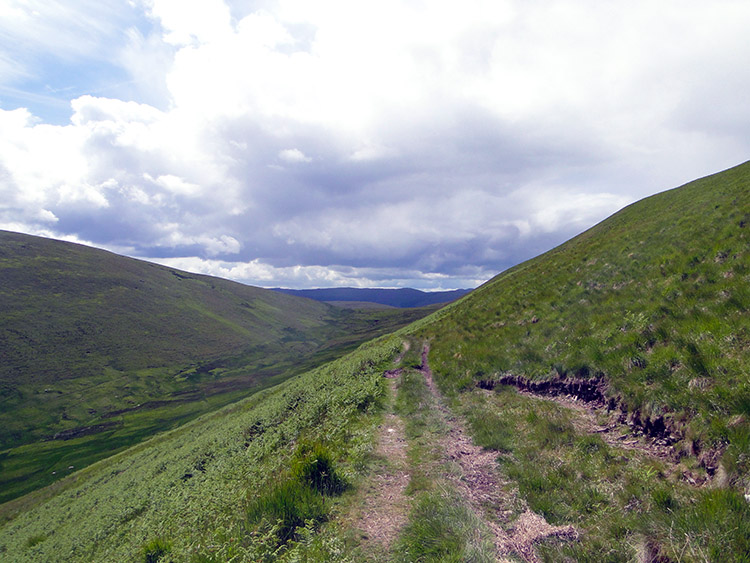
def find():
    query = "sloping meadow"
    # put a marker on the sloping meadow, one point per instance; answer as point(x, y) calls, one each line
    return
point(644, 318)
point(237, 483)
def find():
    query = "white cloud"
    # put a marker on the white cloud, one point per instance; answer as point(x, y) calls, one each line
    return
point(189, 22)
point(174, 184)
point(394, 137)
point(261, 274)
point(44, 163)
point(294, 156)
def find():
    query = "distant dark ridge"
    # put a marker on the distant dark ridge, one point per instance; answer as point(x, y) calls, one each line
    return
point(402, 298)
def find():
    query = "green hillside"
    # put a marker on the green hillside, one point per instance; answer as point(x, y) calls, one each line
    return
point(645, 319)
point(192, 487)
point(605, 386)
point(100, 351)
point(654, 300)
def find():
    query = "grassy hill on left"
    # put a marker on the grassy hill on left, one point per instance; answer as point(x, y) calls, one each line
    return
point(100, 351)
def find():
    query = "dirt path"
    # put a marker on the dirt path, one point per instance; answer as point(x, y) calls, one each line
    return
point(480, 483)
point(385, 507)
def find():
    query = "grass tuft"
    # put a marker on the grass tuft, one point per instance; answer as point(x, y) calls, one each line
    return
point(155, 549)
point(313, 465)
point(290, 504)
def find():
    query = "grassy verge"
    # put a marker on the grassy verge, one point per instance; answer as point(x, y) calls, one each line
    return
point(626, 504)
point(441, 527)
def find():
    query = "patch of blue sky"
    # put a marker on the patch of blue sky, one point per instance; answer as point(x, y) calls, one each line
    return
point(61, 55)
point(48, 93)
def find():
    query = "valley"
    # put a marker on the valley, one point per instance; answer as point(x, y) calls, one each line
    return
point(591, 404)
point(102, 351)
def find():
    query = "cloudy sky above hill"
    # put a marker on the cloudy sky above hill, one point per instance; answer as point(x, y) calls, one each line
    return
point(396, 143)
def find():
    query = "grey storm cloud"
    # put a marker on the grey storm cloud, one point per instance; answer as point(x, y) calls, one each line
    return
point(348, 144)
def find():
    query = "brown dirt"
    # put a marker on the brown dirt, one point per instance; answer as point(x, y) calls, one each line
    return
point(393, 373)
point(481, 485)
point(385, 507)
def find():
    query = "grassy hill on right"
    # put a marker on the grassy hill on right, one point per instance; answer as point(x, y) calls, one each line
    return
point(637, 328)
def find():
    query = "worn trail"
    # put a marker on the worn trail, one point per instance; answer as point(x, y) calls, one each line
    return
point(480, 483)
point(385, 507)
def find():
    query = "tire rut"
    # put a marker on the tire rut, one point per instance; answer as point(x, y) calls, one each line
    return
point(385, 506)
point(481, 485)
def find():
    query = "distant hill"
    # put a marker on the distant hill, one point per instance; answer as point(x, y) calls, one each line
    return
point(605, 385)
point(402, 298)
point(99, 350)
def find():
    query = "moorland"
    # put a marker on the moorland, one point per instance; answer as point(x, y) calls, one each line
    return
point(100, 351)
point(591, 404)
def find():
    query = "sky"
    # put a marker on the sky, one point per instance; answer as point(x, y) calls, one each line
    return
point(398, 143)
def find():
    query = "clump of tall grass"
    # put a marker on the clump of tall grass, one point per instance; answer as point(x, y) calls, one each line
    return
point(298, 499)
point(290, 504)
point(155, 549)
point(313, 465)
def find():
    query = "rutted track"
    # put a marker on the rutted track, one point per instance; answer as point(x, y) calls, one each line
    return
point(384, 508)
point(481, 485)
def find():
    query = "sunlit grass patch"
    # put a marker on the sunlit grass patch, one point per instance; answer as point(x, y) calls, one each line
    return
point(154, 550)
point(441, 528)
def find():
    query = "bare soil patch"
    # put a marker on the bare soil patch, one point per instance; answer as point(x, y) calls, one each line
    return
point(385, 506)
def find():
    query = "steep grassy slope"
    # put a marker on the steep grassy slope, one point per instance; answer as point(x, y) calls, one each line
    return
point(648, 315)
point(100, 351)
point(655, 299)
point(210, 490)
